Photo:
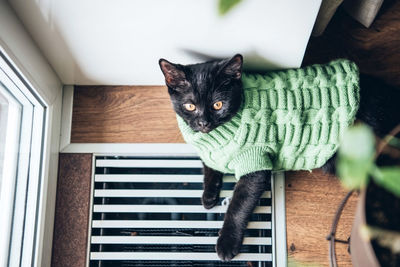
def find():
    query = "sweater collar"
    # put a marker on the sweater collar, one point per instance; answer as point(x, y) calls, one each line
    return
point(213, 139)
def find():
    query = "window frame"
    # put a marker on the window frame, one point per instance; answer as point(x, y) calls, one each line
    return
point(25, 66)
point(28, 173)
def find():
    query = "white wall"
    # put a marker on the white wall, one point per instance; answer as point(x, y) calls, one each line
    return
point(26, 55)
point(120, 41)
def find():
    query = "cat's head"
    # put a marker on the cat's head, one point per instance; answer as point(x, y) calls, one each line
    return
point(205, 95)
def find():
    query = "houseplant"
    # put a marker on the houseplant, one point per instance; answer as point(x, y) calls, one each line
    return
point(373, 167)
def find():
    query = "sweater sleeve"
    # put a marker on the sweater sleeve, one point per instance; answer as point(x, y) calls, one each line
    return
point(251, 160)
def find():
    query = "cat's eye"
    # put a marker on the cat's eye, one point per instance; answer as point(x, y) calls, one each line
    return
point(189, 107)
point(217, 105)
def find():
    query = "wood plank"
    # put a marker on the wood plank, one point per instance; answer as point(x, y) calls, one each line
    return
point(311, 202)
point(72, 210)
point(123, 114)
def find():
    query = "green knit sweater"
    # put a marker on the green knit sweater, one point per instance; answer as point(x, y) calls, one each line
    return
point(289, 120)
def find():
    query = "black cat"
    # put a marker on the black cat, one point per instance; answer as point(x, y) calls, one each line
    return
point(209, 94)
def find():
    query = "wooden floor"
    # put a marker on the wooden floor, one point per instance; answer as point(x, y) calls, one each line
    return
point(311, 202)
point(144, 115)
point(123, 114)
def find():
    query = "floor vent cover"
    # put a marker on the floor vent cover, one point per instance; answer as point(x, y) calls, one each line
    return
point(147, 212)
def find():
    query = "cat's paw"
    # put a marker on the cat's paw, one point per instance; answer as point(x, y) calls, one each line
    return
point(228, 247)
point(209, 199)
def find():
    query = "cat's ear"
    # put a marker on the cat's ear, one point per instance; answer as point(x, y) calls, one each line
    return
point(233, 67)
point(173, 75)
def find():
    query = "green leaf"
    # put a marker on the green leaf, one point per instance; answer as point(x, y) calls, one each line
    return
point(358, 143)
point(388, 178)
point(225, 5)
point(356, 156)
point(352, 173)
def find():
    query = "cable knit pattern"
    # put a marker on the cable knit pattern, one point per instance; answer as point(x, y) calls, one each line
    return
point(289, 120)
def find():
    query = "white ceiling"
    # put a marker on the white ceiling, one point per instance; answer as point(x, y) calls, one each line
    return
point(119, 42)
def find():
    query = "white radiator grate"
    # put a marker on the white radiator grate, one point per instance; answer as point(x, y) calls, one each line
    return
point(148, 212)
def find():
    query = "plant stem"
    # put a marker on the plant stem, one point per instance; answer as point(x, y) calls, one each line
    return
point(385, 141)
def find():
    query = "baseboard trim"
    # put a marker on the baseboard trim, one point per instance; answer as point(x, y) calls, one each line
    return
point(66, 116)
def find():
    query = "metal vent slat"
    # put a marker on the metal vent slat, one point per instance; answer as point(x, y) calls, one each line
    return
point(147, 212)
point(171, 224)
point(195, 240)
point(156, 178)
point(170, 208)
point(161, 193)
point(176, 256)
point(154, 163)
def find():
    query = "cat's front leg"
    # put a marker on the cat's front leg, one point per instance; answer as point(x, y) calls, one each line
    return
point(212, 186)
point(247, 192)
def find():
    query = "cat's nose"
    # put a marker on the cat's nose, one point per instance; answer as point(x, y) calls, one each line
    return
point(203, 124)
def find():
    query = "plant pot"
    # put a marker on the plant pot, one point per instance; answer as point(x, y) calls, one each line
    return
point(362, 253)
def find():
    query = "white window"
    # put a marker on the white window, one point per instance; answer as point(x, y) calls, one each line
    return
point(30, 117)
point(22, 124)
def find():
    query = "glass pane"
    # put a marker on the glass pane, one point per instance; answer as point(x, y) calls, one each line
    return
point(10, 123)
point(3, 126)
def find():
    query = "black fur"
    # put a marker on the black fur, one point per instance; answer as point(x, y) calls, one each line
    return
point(379, 105)
point(204, 84)
point(246, 195)
point(212, 186)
